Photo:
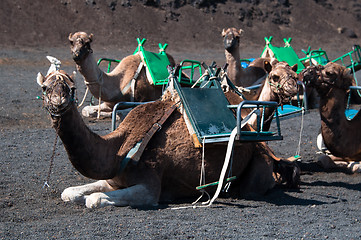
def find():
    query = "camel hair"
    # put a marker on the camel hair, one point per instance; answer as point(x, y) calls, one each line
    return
point(115, 86)
point(241, 77)
point(170, 166)
point(341, 136)
point(280, 86)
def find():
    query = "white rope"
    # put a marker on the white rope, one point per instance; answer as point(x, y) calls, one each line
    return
point(201, 77)
point(301, 130)
point(222, 175)
point(85, 94)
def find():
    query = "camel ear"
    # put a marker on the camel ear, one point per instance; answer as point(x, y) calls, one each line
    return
point(294, 67)
point(70, 37)
point(240, 31)
point(73, 78)
point(223, 32)
point(90, 37)
point(40, 79)
point(274, 61)
point(267, 66)
point(346, 72)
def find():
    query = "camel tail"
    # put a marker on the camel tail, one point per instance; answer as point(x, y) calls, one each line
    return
point(287, 172)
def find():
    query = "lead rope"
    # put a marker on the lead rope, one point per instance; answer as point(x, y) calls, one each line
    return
point(46, 183)
point(202, 180)
point(298, 152)
point(222, 175)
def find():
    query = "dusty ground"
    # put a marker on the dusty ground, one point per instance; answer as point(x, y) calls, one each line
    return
point(326, 207)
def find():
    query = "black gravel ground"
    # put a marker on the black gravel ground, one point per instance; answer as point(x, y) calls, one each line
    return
point(327, 206)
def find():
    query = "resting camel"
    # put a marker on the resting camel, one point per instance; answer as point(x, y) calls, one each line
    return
point(241, 77)
point(113, 87)
point(279, 86)
point(168, 169)
point(342, 137)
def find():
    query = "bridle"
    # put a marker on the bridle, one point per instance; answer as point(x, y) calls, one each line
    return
point(235, 41)
point(278, 88)
point(317, 71)
point(62, 79)
point(85, 49)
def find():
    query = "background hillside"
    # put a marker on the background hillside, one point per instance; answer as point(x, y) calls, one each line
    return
point(183, 24)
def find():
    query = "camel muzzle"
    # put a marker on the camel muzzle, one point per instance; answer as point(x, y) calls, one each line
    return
point(230, 43)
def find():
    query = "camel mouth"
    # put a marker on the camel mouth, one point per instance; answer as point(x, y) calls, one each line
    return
point(230, 44)
point(77, 56)
point(309, 76)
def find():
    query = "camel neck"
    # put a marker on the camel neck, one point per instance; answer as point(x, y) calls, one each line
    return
point(92, 155)
point(90, 70)
point(267, 95)
point(234, 66)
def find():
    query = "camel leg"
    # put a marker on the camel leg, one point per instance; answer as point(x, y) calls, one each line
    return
point(77, 194)
point(258, 177)
point(332, 162)
point(137, 195)
point(92, 111)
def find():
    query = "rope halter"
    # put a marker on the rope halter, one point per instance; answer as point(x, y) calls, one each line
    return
point(54, 81)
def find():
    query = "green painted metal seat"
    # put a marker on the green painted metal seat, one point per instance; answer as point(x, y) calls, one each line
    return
point(212, 118)
point(286, 53)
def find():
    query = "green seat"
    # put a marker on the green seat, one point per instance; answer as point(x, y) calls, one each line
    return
point(350, 113)
point(207, 111)
point(286, 53)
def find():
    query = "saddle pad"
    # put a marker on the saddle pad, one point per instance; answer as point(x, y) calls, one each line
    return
point(156, 65)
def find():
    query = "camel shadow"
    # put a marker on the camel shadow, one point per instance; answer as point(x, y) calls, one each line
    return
point(349, 186)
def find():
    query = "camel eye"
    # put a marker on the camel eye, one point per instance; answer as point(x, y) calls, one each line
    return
point(329, 74)
point(276, 78)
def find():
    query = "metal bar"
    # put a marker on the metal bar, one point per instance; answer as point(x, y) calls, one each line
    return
point(122, 105)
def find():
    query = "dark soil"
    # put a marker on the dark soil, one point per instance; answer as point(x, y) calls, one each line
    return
point(327, 206)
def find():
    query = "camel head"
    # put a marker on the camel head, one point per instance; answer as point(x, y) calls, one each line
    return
point(231, 38)
point(328, 77)
point(80, 45)
point(58, 91)
point(282, 79)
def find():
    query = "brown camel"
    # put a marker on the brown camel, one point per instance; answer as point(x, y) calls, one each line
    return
point(115, 86)
point(341, 136)
point(280, 86)
point(241, 77)
point(168, 169)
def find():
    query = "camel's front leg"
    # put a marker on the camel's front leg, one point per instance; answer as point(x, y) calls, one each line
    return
point(92, 111)
point(137, 195)
point(77, 194)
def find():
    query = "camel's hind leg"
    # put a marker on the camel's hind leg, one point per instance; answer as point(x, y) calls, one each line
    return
point(77, 194)
point(137, 195)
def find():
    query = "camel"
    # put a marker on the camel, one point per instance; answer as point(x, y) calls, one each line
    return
point(168, 169)
point(341, 136)
point(280, 86)
point(115, 86)
point(241, 77)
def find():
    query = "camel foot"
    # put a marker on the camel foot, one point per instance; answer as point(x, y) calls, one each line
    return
point(92, 111)
point(354, 167)
point(97, 200)
point(71, 194)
